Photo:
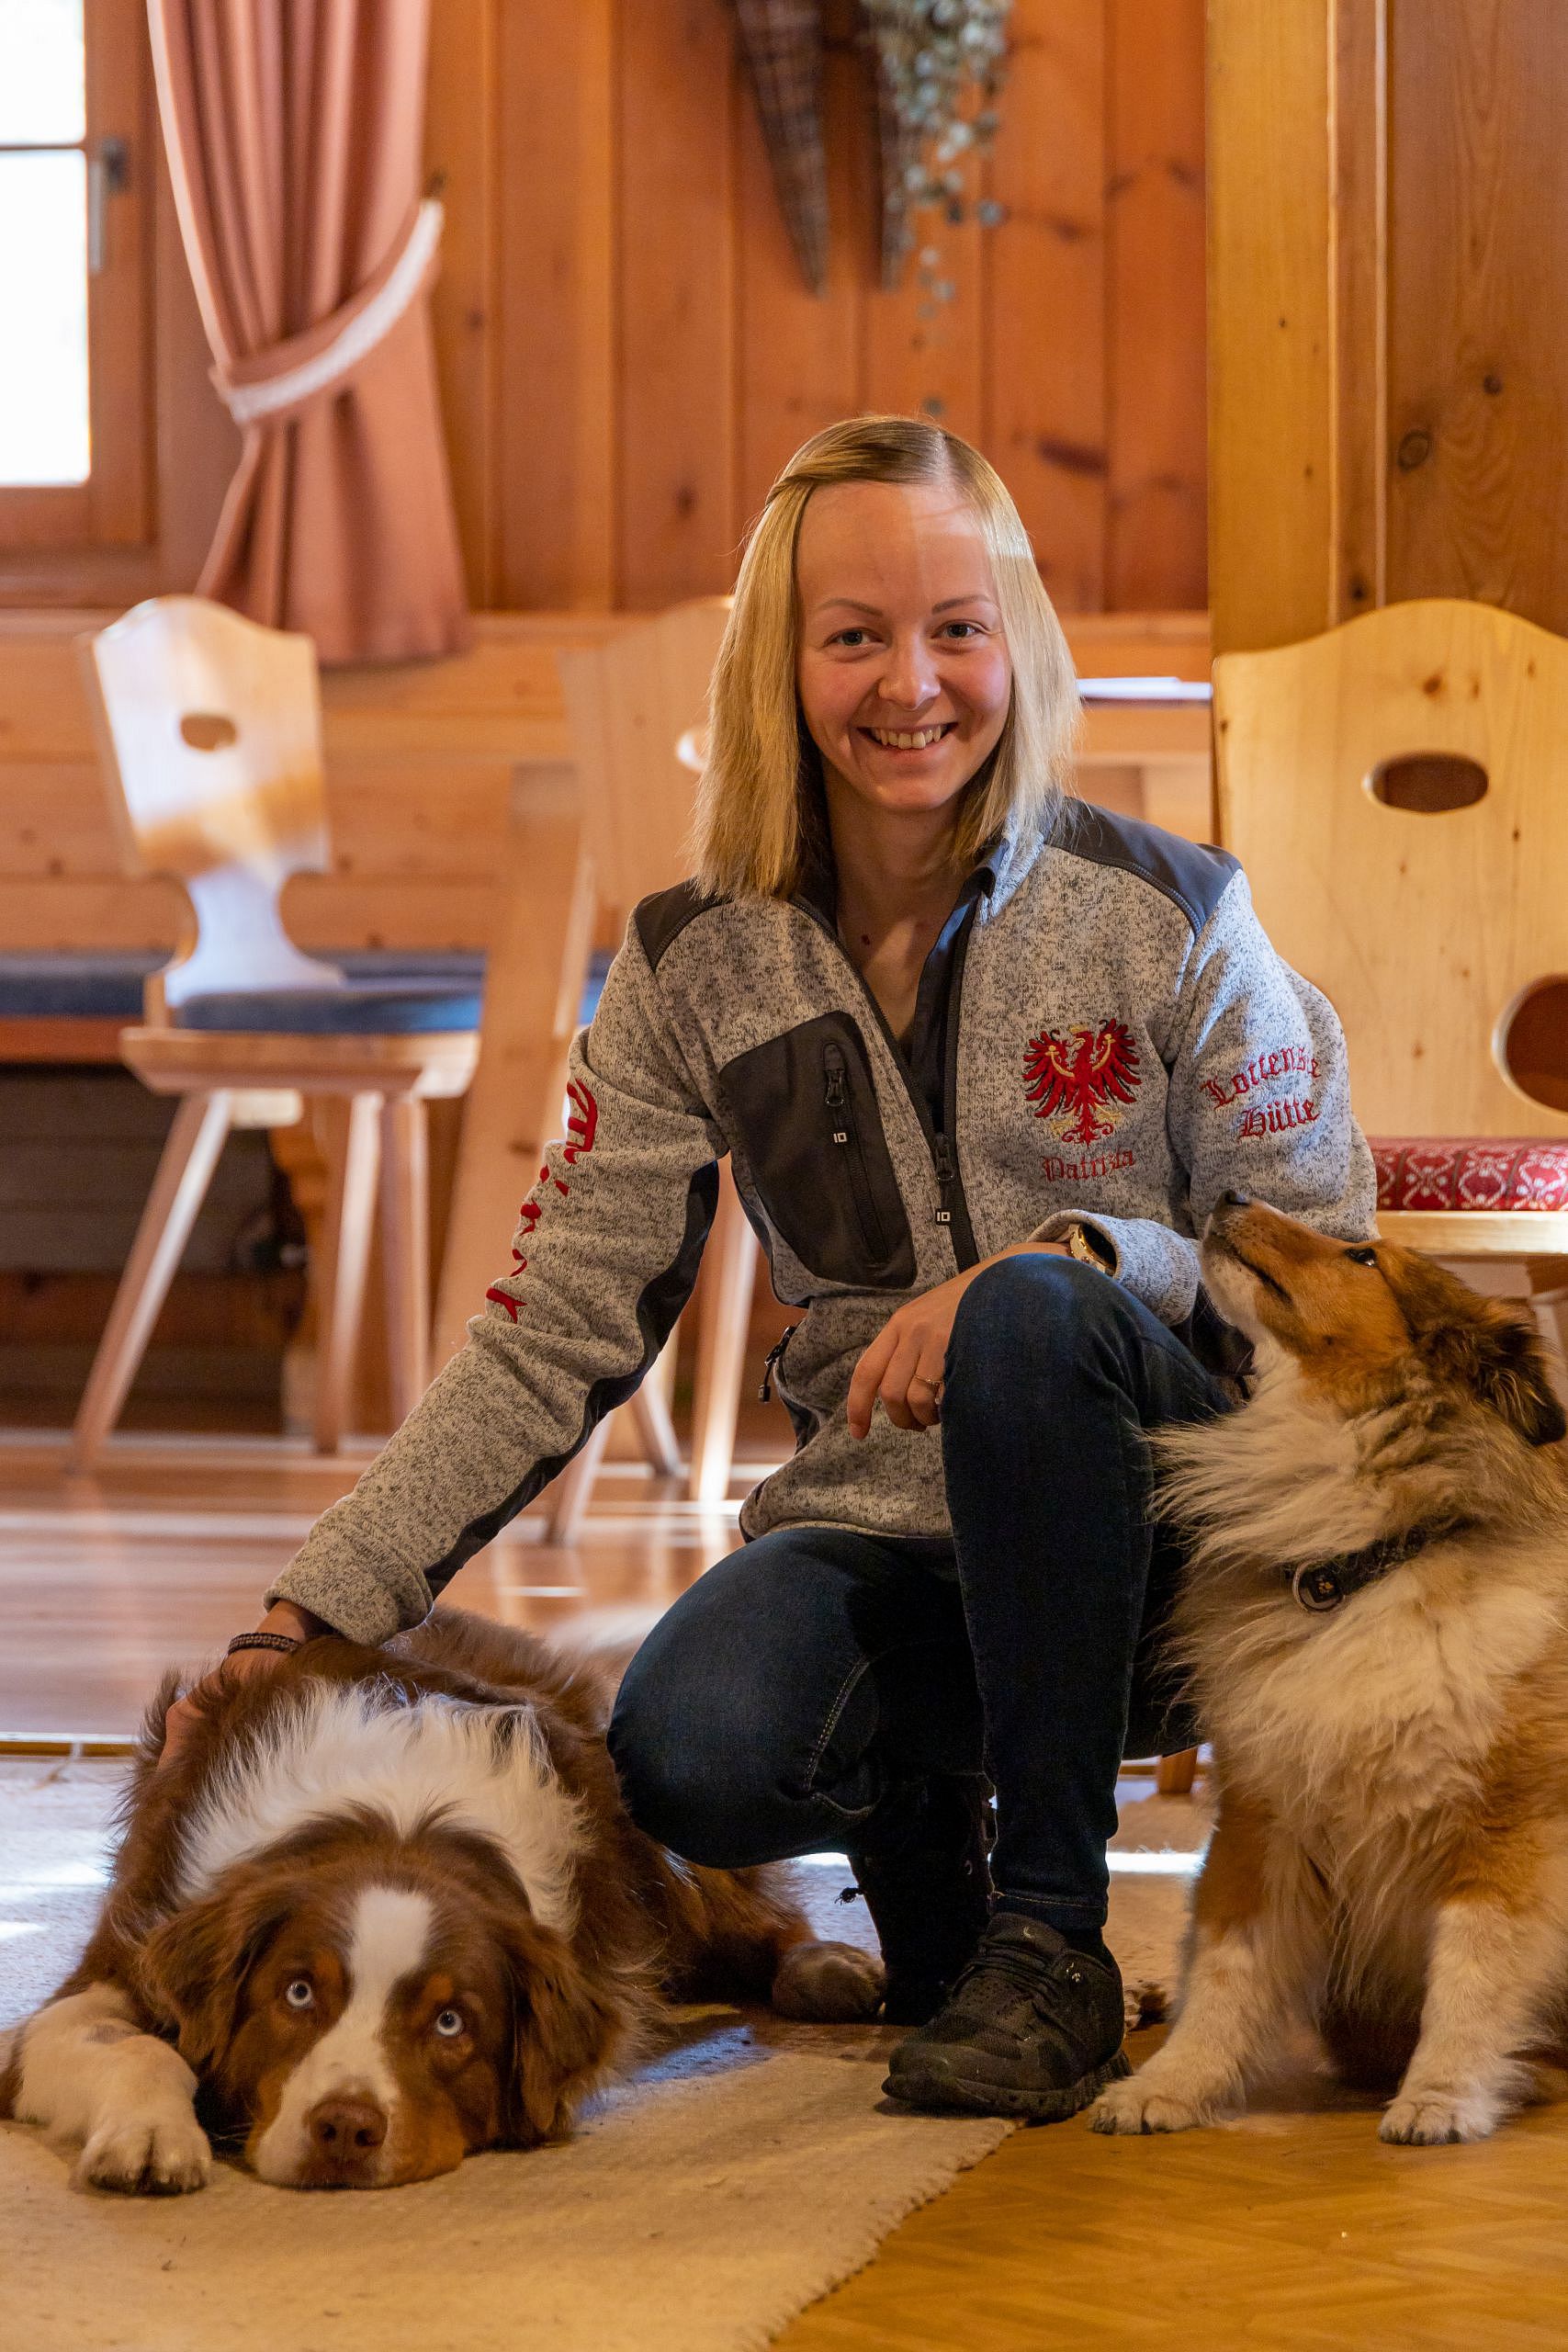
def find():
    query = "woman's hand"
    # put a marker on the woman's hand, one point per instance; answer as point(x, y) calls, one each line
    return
point(904, 1363)
point(283, 1617)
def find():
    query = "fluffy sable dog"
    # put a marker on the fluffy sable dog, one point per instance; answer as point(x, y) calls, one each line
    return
point(386, 1907)
point(1376, 1620)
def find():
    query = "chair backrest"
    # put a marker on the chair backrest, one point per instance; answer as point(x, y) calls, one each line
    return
point(210, 731)
point(1397, 790)
point(637, 705)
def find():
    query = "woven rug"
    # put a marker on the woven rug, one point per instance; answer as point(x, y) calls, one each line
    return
point(733, 2179)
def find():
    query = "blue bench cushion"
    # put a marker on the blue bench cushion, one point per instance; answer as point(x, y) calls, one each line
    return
point(81, 988)
point(389, 993)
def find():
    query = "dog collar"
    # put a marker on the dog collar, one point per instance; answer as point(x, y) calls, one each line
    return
point(1319, 1586)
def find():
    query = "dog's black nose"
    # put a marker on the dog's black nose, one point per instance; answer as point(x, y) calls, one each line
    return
point(346, 2129)
point(1235, 1200)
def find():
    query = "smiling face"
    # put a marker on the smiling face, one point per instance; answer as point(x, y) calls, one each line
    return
point(903, 669)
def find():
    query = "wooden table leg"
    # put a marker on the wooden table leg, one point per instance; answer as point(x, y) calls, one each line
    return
point(354, 1150)
point(570, 1493)
point(184, 1170)
point(405, 1244)
point(1175, 1773)
point(649, 1409)
point(725, 1310)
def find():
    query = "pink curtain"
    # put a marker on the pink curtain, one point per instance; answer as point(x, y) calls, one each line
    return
point(293, 129)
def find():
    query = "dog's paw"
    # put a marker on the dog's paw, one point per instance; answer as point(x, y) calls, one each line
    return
point(1142, 2104)
point(1436, 2119)
point(828, 1984)
point(163, 2155)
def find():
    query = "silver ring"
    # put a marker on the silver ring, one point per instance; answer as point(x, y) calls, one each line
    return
point(919, 1380)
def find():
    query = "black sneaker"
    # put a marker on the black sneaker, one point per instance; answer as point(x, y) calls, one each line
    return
point(1032, 2027)
point(930, 1896)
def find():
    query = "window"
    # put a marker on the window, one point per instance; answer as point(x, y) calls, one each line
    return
point(74, 220)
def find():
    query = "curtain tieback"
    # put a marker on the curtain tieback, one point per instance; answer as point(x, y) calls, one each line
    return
point(286, 377)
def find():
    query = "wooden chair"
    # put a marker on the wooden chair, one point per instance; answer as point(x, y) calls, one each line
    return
point(209, 730)
point(1395, 790)
point(636, 707)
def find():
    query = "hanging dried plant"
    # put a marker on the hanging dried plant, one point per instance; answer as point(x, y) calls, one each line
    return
point(783, 41)
point(935, 60)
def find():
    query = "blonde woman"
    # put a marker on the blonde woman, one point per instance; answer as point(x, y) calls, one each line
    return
point(983, 1061)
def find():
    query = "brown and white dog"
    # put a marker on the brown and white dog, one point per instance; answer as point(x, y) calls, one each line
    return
point(386, 1907)
point(1376, 1620)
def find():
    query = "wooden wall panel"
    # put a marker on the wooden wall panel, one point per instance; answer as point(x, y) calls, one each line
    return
point(465, 82)
point(1270, 321)
point(799, 354)
point(554, 305)
point(1047, 425)
point(626, 354)
point(675, 441)
point(1388, 263)
point(1477, 280)
point(1155, 556)
point(658, 358)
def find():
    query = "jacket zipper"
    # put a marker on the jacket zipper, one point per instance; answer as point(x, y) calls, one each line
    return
point(775, 1364)
point(952, 1209)
point(846, 1136)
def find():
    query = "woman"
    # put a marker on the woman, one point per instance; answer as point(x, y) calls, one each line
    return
point(983, 1061)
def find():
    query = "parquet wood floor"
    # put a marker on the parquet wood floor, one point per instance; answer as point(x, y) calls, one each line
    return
point(166, 1550)
point(1293, 2231)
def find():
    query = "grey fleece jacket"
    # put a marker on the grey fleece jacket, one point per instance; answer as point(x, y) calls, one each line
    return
point(1123, 1045)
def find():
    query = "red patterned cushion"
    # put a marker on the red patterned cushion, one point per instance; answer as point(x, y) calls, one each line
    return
point(1443, 1173)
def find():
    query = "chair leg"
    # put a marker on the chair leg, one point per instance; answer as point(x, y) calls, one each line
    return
point(352, 1153)
point(1175, 1773)
point(725, 1313)
point(649, 1409)
point(405, 1244)
point(185, 1171)
point(569, 1495)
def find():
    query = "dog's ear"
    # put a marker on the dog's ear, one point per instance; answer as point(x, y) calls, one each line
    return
point(193, 1968)
point(1500, 1356)
point(569, 2029)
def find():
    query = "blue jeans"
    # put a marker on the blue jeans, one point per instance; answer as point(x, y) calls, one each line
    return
point(798, 1694)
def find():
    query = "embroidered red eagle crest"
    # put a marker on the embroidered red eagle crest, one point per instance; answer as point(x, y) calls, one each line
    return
point(1085, 1081)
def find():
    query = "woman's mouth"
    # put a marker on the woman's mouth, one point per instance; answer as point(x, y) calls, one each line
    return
point(909, 739)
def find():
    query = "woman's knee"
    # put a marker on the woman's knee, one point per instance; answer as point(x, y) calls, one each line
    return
point(684, 1776)
point(1024, 1317)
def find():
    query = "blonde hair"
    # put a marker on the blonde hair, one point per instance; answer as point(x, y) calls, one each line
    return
point(754, 803)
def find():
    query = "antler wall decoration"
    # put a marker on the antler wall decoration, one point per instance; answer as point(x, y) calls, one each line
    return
point(932, 58)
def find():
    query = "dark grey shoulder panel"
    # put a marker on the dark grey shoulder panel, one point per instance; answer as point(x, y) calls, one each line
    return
point(660, 919)
point(1193, 875)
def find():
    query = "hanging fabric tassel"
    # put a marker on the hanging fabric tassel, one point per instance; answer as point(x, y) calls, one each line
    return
point(783, 41)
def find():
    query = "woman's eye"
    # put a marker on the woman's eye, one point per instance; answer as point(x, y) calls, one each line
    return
point(853, 638)
point(969, 628)
point(1362, 1257)
point(449, 2024)
point(300, 1995)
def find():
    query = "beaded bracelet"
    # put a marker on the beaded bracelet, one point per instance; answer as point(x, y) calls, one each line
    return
point(284, 1642)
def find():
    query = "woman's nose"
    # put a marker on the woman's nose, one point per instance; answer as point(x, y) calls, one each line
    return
point(909, 677)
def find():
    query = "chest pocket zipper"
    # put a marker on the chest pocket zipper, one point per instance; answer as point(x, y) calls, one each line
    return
point(846, 1139)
